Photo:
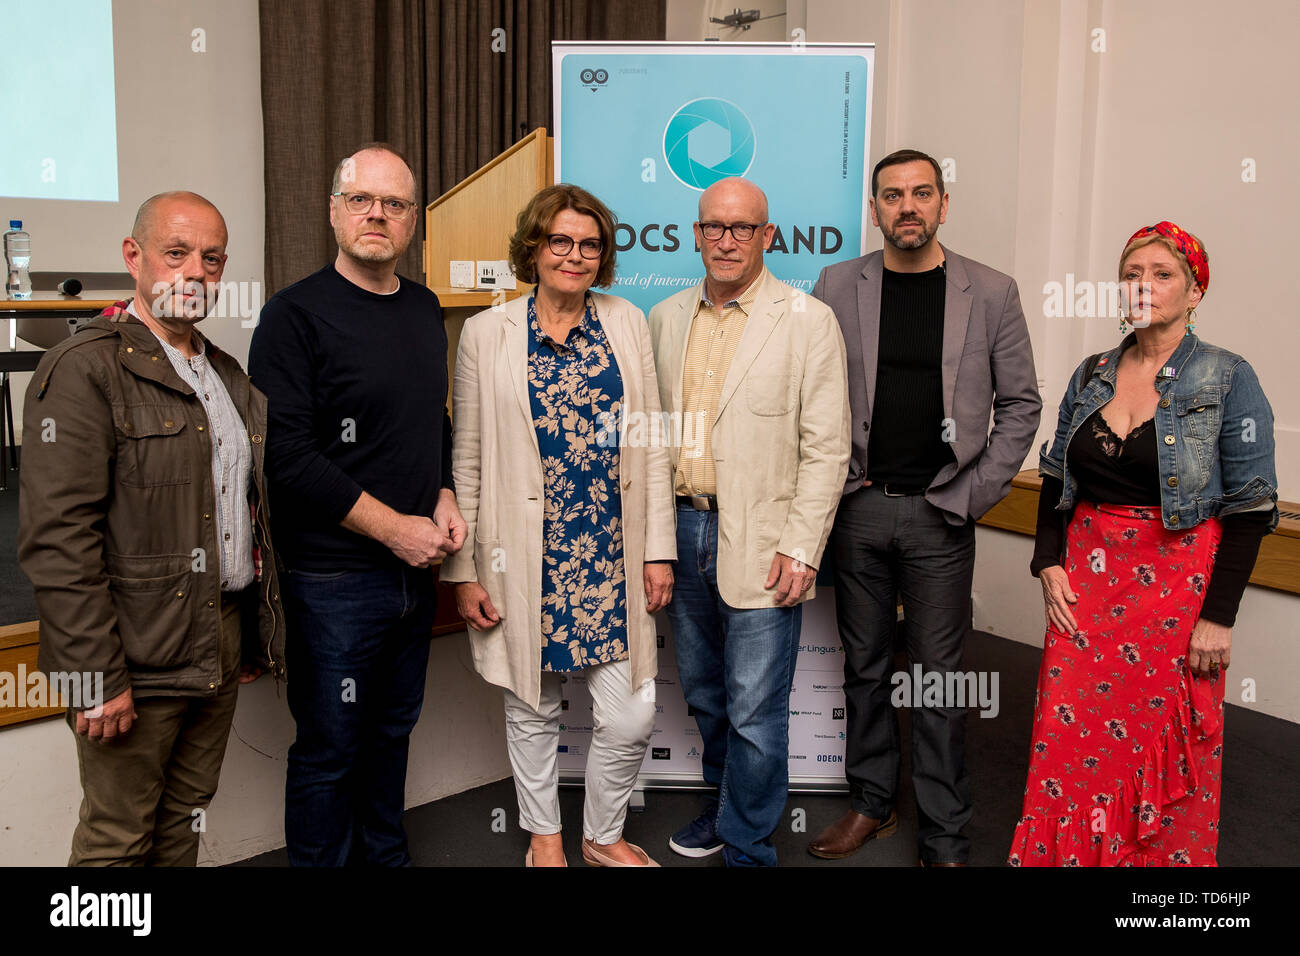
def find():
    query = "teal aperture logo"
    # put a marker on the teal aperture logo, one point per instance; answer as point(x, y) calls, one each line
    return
point(707, 140)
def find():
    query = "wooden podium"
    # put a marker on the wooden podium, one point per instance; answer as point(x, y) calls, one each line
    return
point(476, 217)
point(474, 220)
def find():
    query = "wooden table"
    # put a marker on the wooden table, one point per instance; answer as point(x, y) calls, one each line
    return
point(43, 320)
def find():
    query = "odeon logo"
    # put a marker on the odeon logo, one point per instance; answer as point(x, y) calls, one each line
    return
point(707, 140)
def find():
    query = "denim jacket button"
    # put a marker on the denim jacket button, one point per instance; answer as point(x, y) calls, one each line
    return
point(1169, 439)
point(1173, 519)
point(1164, 403)
point(1173, 481)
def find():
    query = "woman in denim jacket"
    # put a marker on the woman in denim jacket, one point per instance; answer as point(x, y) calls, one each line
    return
point(1158, 487)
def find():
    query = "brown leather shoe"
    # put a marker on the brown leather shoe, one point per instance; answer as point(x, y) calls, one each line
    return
point(923, 863)
point(846, 835)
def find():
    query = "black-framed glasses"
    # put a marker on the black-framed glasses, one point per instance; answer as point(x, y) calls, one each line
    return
point(740, 231)
point(561, 245)
point(361, 203)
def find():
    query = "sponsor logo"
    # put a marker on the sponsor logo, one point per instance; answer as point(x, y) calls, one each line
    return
point(820, 649)
point(837, 713)
point(594, 79)
point(661, 753)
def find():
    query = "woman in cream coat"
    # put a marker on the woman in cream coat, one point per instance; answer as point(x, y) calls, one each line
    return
point(570, 511)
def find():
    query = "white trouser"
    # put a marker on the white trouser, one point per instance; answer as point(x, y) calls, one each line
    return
point(622, 722)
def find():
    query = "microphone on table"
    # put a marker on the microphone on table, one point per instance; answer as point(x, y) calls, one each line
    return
point(70, 286)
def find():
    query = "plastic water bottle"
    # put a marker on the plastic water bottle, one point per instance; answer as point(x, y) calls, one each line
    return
point(18, 259)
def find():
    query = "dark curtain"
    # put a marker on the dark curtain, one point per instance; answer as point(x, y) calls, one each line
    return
point(420, 74)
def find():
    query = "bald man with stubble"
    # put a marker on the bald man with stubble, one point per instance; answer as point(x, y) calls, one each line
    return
point(142, 526)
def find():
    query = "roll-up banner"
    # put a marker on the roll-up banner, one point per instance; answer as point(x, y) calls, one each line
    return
point(647, 127)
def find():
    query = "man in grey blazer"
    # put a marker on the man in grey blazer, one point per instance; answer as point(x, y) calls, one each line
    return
point(936, 344)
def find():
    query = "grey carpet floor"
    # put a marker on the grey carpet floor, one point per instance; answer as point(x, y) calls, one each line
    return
point(1260, 825)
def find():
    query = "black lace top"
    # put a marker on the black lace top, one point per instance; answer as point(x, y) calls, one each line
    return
point(1126, 471)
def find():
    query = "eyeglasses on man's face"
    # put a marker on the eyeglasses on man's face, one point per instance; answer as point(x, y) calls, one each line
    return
point(561, 245)
point(361, 203)
point(740, 231)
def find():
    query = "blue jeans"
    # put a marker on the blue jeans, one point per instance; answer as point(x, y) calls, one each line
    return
point(737, 667)
point(357, 654)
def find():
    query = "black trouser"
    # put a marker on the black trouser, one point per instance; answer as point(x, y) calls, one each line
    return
point(883, 546)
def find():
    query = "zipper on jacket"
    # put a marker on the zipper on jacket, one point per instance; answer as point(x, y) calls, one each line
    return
point(277, 668)
point(268, 565)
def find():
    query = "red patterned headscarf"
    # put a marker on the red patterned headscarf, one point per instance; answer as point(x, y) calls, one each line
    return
point(1190, 247)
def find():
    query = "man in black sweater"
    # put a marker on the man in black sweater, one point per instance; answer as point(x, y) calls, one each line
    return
point(937, 344)
point(353, 360)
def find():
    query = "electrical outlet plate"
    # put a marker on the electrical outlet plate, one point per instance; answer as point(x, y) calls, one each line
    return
point(495, 274)
point(462, 273)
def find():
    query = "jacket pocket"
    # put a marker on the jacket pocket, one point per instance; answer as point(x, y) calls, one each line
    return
point(154, 613)
point(1200, 414)
point(769, 395)
point(151, 442)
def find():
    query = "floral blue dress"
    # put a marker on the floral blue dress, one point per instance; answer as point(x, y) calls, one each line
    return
point(577, 396)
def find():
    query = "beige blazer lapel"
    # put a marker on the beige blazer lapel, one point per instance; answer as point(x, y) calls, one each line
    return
point(515, 334)
point(956, 319)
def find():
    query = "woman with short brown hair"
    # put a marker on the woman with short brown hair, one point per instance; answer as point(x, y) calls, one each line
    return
point(573, 526)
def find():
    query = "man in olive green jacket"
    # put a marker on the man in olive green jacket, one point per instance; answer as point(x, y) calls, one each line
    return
point(143, 527)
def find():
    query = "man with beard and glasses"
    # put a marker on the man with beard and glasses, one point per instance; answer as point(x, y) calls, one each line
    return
point(936, 344)
point(142, 526)
point(353, 359)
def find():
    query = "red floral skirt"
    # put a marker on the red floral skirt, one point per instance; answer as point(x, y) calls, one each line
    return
point(1127, 746)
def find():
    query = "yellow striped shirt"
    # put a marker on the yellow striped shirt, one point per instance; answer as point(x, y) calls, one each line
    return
point(710, 347)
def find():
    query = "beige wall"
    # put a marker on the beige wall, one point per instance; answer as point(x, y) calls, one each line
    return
point(1062, 153)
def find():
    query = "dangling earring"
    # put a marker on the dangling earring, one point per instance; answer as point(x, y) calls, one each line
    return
point(1191, 322)
point(1123, 323)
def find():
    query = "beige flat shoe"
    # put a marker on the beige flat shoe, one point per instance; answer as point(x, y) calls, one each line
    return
point(528, 859)
point(594, 855)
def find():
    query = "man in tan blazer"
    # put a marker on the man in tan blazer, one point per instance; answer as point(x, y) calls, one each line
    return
point(755, 372)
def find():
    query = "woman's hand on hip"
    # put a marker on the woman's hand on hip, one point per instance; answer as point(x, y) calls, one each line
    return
point(1057, 598)
point(475, 606)
point(1210, 648)
point(658, 577)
